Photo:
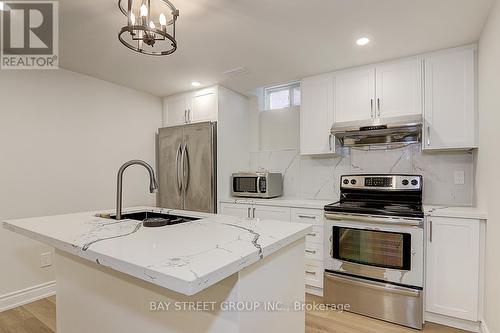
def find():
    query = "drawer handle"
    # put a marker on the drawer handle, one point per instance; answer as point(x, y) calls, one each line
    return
point(310, 272)
point(312, 234)
point(307, 217)
point(311, 251)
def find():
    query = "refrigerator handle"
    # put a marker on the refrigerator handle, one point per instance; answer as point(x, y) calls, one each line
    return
point(178, 169)
point(185, 167)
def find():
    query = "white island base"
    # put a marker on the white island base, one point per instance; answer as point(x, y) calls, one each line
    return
point(97, 299)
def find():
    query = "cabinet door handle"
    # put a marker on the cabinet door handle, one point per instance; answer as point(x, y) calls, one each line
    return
point(428, 135)
point(311, 251)
point(312, 217)
point(378, 106)
point(189, 115)
point(430, 231)
point(253, 213)
point(185, 116)
point(248, 213)
point(311, 272)
point(330, 142)
point(371, 107)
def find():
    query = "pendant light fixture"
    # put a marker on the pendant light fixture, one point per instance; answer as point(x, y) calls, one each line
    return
point(150, 26)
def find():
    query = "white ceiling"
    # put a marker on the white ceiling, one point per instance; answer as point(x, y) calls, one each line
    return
point(276, 40)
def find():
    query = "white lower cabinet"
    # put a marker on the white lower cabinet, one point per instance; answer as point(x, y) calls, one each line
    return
point(314, 247)
point(313, 270)
point(271, 213)
point(256, 211)
point(238, 210)
point(314, 274)
point(453, 267)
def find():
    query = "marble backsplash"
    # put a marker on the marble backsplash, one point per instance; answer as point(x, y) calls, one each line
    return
point(310, 177)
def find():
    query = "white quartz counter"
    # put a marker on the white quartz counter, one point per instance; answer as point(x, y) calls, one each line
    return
point(185, 258)
point(429, 210)
point(458, 212)
point(281, 202)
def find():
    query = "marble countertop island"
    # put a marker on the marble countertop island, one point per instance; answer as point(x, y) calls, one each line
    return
point(186, 258)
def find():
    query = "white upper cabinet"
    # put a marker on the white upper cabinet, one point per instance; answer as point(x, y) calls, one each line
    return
point(316, 115)
point(192, 107)
point(354, 95)
point(175, 110)
point(453, 266)
point(450, 100)
point(203, 106)
point(372, 95)
point(399, 89)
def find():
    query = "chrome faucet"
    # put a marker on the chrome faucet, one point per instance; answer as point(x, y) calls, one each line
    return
point(153, 184)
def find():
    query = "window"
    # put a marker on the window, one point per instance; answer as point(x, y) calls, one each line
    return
point(283, 96)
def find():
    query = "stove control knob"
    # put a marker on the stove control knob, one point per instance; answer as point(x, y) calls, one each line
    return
point(353, 181)
point(346, 181)
point(405, 182)
point(414, 182)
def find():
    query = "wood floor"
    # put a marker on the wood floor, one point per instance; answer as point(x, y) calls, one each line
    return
point(40, 317)
point(36, 317)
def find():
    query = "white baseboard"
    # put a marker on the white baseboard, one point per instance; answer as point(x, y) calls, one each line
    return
point(471, 326)
point(483, 328)
point(28, 295)
point(314, 290)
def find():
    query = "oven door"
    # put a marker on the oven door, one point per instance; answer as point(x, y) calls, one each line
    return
point(385, 250)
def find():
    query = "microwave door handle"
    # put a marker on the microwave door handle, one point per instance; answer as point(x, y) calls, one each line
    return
point(258, 182)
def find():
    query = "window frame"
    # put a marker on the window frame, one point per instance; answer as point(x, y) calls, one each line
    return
point(290, 87)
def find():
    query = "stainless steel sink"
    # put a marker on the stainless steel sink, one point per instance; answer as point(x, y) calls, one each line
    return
point(152, 219)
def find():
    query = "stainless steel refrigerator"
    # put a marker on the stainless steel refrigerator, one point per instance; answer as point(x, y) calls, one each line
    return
point(187, 167)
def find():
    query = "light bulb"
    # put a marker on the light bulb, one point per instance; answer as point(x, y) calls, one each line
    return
point(132, 18)
point(152, 25)
point(144, 10)
point(163, 20)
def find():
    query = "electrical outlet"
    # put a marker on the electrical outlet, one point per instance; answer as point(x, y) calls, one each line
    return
point(459, 177)
point(46, 259)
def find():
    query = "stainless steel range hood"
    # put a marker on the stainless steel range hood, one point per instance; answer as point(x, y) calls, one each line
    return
point(389, 132)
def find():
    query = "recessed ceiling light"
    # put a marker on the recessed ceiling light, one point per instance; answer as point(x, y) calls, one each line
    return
point(195, 84)
point(363, 41)
point(1, 5)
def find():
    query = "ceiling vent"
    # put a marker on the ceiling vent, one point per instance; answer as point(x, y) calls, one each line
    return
point(238, 71)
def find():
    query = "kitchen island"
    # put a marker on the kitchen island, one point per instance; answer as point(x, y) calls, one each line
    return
point(215, 274)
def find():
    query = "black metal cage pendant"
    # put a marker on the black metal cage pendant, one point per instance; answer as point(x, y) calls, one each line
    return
point(150, 26)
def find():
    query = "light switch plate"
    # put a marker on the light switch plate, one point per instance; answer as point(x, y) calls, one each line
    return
point(459, 177)
point(46, 259)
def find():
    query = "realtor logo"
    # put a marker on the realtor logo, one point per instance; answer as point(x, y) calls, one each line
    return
point(29, 36)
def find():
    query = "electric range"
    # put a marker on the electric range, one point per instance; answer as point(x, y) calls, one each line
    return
point(374, 247)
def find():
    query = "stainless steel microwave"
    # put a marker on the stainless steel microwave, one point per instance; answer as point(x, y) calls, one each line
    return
point(257, 184)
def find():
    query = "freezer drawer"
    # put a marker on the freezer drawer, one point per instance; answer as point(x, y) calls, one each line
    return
point(379, 300)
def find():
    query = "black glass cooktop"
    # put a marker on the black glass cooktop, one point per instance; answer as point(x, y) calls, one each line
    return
point(400, 209)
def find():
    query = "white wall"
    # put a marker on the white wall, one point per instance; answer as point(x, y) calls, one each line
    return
point(279, 128)
point(488, 160)
point(63, 137)
point(233, 138)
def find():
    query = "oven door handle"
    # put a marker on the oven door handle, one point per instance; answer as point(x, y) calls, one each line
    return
point(374, 285)
point(383, 220)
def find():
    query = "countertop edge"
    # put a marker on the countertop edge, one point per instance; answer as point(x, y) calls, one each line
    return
point(465, 212)
point(281, 202)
